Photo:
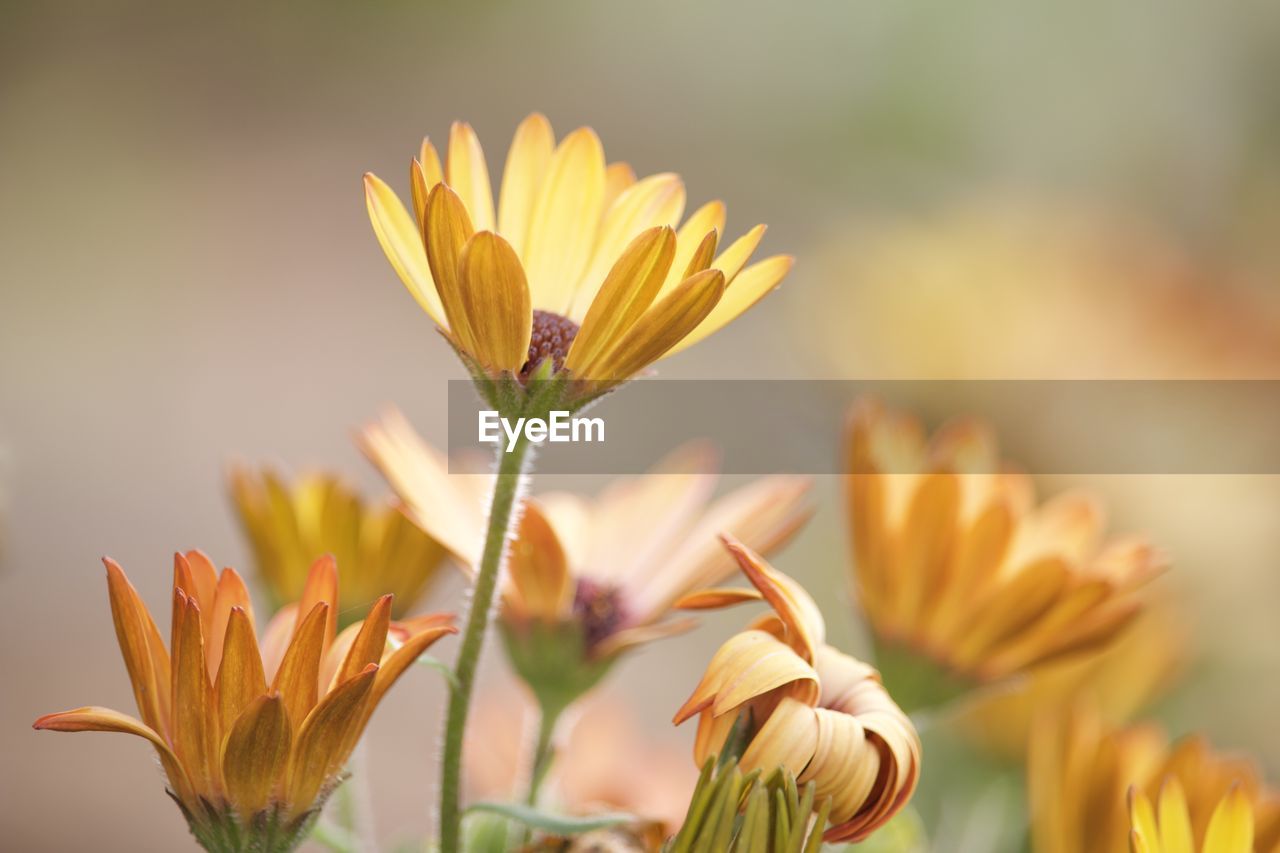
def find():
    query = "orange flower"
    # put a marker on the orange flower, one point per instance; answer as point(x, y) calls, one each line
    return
point(956, 563)
point(578, 265)
point(811, 709)
point(252, 742)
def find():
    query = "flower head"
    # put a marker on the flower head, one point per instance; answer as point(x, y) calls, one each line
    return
point(252, 741)
point(609, 568)
point(1080, 768)
point(1169, 829)
point(579, 267)
point(809, 708)
point(955, 562)
point(377, 549)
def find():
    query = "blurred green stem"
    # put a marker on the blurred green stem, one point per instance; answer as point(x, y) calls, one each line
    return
point(511, 467)
point(543, 753)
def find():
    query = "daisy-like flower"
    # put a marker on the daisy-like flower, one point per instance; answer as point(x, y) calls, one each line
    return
point(1080, 768)
point(578, 264)
point(252, 740)
point(604, 572)
point(377, 549)
point(1169, 830)
point(957, 565)
point(808, 708)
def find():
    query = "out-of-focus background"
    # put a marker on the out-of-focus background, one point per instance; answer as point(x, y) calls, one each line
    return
point(987, 190)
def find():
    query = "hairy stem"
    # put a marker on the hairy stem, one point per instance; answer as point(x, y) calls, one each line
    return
point(511, 468)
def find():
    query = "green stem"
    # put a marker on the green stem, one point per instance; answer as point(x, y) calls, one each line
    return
point(542, 753)
point(511, 467)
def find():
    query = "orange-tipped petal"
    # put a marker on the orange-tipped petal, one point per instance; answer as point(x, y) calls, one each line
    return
point(298, 679)
point(805, 628)
point(256, 754)
point(142, 648)
point(320, 747)
point(240, 675)
point(195, 716)
point(322, 586)
point(369, 643)
point(231, 593)
point(538, 570)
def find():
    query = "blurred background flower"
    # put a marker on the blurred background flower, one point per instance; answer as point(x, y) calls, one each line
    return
point(289, 526)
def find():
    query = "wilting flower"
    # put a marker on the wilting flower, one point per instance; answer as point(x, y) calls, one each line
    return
point(1079, 769)
point(252, 741)
point(956, 564)
point(578, 264)
point(1169, 830)
point(377, 549)
point(587, 580)
point(1118, 680)
point(808, 708)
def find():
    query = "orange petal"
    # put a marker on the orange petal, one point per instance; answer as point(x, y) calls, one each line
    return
point(369, 643)
point(231, 593)
point(141, 647)
point(319, 750)
point(714, 599)
point(396, 662)
point(195, 716)
point(495, 297)
point(537, 569)
point(298, 678)
point(204, 575)
point(240, 676)
point(794, 606)
point(322, 586)
point(256, 754)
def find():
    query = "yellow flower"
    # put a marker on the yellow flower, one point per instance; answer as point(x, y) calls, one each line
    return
point(1230, 827)
point(611, 567)
point(578, 262)
point(809, 708)
point(252, 742)
point(377, 549)
point(1119, 680)
point(1079, 769)
point(956, 563)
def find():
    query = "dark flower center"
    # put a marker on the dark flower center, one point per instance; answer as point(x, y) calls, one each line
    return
point(551, 337)
point(599, 609)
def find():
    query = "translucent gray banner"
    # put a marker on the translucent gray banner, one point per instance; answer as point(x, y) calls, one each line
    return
point(797, 427)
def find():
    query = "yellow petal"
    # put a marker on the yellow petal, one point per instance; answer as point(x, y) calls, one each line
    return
point(256, 754)
point(656, 201)
point(703, 254)
point(566, 217)
point(1142, 819)
point(749, 287)
point(733, 259)
point(424, 173)
point(401, 242)
point(692, 234)
point(142, 648)
point(469, 175)
point(526, 167)
point(1231, 827)
point(495, 297)
point(626, 294)
point(537, 569)
point(240, 675)
point(195, 717)
point(1175, 821)
point(661, 328)
point(298, 679)
point(318, 751)
point(617, 177)
point(448, 228)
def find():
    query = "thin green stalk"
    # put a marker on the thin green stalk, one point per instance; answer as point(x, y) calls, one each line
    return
point(542, 753)
point(511, 468)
